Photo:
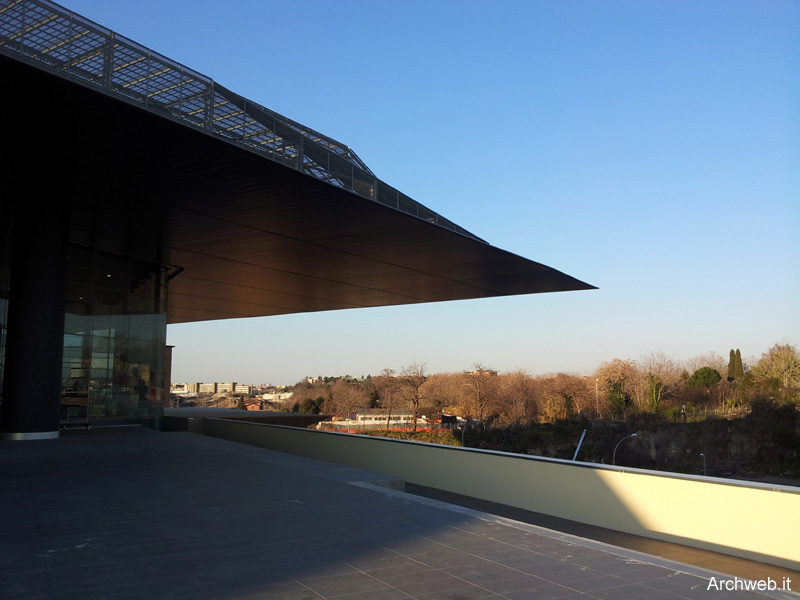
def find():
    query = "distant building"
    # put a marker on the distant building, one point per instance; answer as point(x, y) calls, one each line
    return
point(370, 419)
point(446, 421)
point(185, 389)
point(375, 419)
point(191, 389)
point(484, 372)
point(277, 397)
point(243, 389)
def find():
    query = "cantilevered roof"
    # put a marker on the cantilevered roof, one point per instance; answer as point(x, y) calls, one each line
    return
point(254, 213)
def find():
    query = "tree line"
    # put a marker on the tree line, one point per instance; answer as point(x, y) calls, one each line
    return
point(618, 388)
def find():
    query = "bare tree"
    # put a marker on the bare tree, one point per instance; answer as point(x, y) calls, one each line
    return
point(661, 378)
point(444, 391)
point(616, 380)
point(517, 399)
point(712, 360)
point(345, 397)
point(779, 368)
point(481, 384)
point(412, 379)
point(387, 386)
point(564, 395)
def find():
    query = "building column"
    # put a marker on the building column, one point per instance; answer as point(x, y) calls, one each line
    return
point(31, 406)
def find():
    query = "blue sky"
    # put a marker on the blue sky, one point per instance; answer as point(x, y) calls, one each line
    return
point(651, 148)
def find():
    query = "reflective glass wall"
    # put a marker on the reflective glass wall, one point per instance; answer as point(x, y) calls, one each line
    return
point(5, 271)
point(114, 340)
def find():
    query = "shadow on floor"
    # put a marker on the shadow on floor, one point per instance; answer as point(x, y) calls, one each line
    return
point(706, 559)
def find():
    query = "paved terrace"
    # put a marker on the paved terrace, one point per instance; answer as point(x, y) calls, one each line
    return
point(130, 513)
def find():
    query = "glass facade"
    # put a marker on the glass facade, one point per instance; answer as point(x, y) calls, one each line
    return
point(114, 340)
point(115, 327)
point(5, 271)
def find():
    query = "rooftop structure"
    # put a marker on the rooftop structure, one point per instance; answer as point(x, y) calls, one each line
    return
point(65, 43)
point(139, 192)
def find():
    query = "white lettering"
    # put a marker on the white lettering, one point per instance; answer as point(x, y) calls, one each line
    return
point(744, 584)
point(737, 584)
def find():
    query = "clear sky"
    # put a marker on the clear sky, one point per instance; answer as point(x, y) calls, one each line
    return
point(650, 148)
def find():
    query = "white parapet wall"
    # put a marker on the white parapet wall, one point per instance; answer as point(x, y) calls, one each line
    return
point(751, 520)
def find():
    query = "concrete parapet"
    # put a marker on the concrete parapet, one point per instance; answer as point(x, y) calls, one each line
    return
point(752, 520)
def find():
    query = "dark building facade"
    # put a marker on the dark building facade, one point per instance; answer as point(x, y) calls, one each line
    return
point(138, 193)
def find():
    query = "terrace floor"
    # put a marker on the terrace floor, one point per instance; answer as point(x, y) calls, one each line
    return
point(131, 513)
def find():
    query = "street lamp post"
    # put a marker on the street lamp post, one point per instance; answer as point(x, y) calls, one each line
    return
point(704, 463)
point(596, 402)
point(614, 456)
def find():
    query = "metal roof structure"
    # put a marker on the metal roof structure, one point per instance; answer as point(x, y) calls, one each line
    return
point(65, 43)
point(256, 214)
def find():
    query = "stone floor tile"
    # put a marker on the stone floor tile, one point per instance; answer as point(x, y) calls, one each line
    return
point(135, 514)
